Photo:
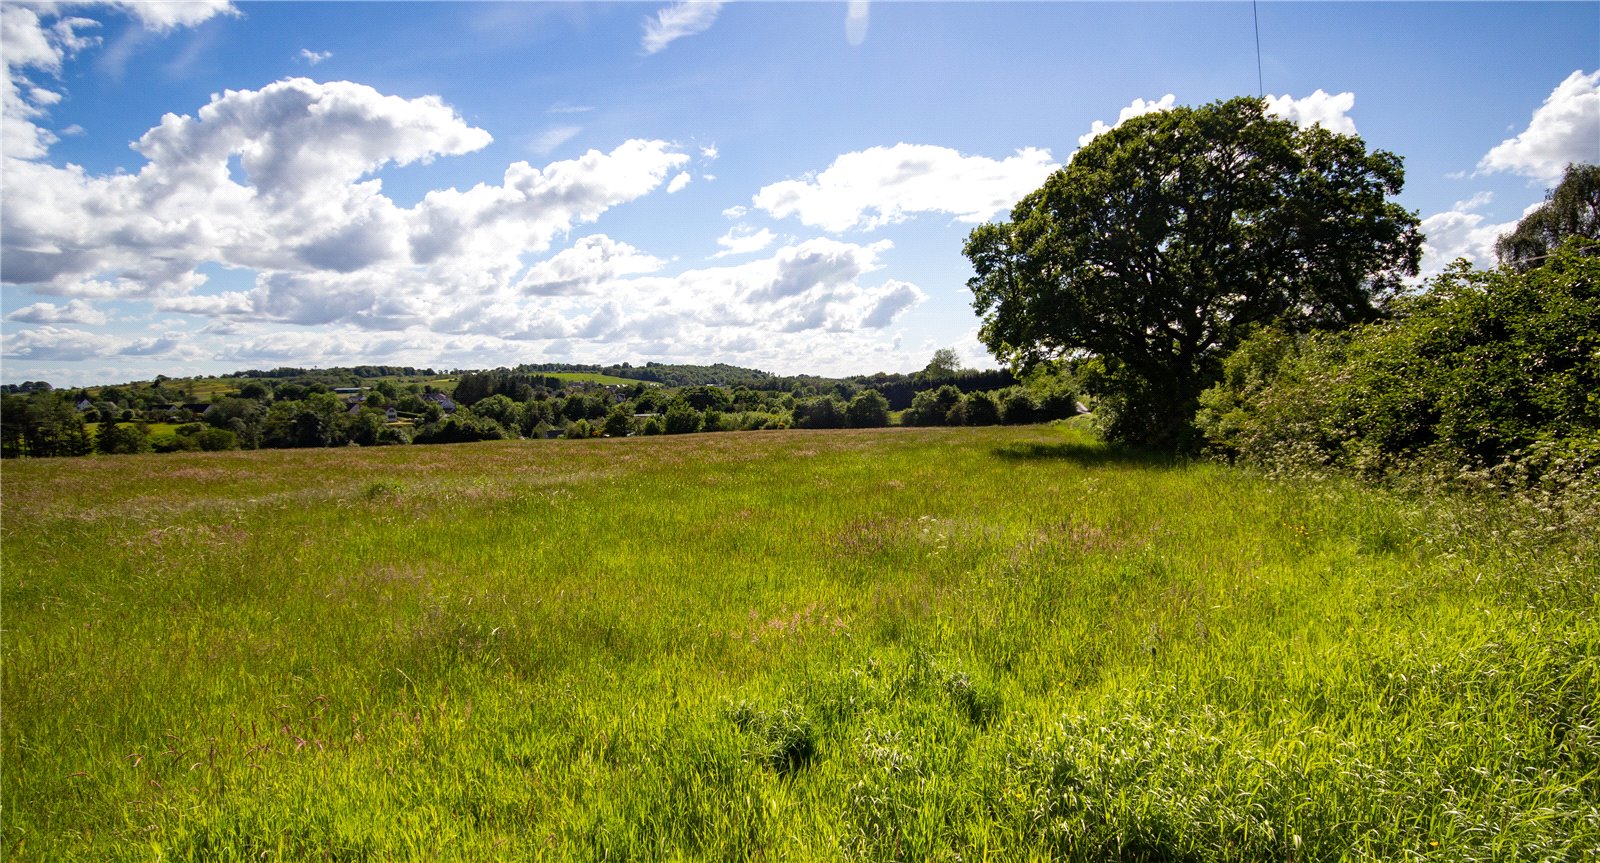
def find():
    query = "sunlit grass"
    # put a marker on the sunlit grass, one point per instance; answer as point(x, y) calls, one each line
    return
point(897, 644)
point(93, 429)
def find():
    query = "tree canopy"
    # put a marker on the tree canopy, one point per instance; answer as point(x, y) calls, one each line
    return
point(1571, 209)
point(945, 363)
point(1164, 241)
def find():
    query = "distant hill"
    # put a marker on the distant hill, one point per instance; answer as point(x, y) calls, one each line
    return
point(339, 371)
point(671, 375)
point(897, 387)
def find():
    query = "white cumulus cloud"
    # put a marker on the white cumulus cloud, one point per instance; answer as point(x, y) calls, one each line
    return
point(304, 149)
point(1566, 128)
point(270, 346)
point(740, 240)
point(894, 298)
point(601, 299)
point(590, 262)
point(492, 225)
point(167, 14)
point(305, 210)
point(296, 135)
point(1460, 232)
point(314, 57)
point(885, 185)
point(812, 286)
point(65, 344)
point(28, 42)
point(40, 36)
point(287, 181)
point(1331, 112)
point(74, 312)
point(56, 343)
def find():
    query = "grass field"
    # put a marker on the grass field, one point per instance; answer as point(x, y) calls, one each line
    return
point(898, 644)
point(93, 429)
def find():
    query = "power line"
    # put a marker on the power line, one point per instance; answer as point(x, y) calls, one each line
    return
point(1261, 89)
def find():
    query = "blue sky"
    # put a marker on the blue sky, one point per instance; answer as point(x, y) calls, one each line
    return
point(196, 187)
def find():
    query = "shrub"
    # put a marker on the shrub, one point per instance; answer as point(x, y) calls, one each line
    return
point(931, 407)
point(216, 440)
point(125, 439)
point(1057, 402)
point(461, 427)
point(682, 419)
point(1471, 374)
point(501, 409)
point(869, 409)
point(707, 398)
point(979, 409)
point(618, 421)
point(820, 412)
point(1229, 415)
point(1017, 407)
point(166, 442)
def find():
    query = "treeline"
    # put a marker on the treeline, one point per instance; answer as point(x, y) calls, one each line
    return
point(901, 389)
point(898, 388)
point(489, 403)
point(716, 374)
point(667, 374)
point(516, 384)
point(146, 418)
point(595, 411)
point(333, 373)
point(27, 387)
point(500, 404)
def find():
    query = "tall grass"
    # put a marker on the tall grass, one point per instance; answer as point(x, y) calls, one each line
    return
point(1007, 643)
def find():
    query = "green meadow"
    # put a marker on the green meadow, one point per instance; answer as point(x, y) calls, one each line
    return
point(93, 429)
point(1004, 643)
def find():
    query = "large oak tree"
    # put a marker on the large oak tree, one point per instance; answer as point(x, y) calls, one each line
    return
point(1164, 241)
